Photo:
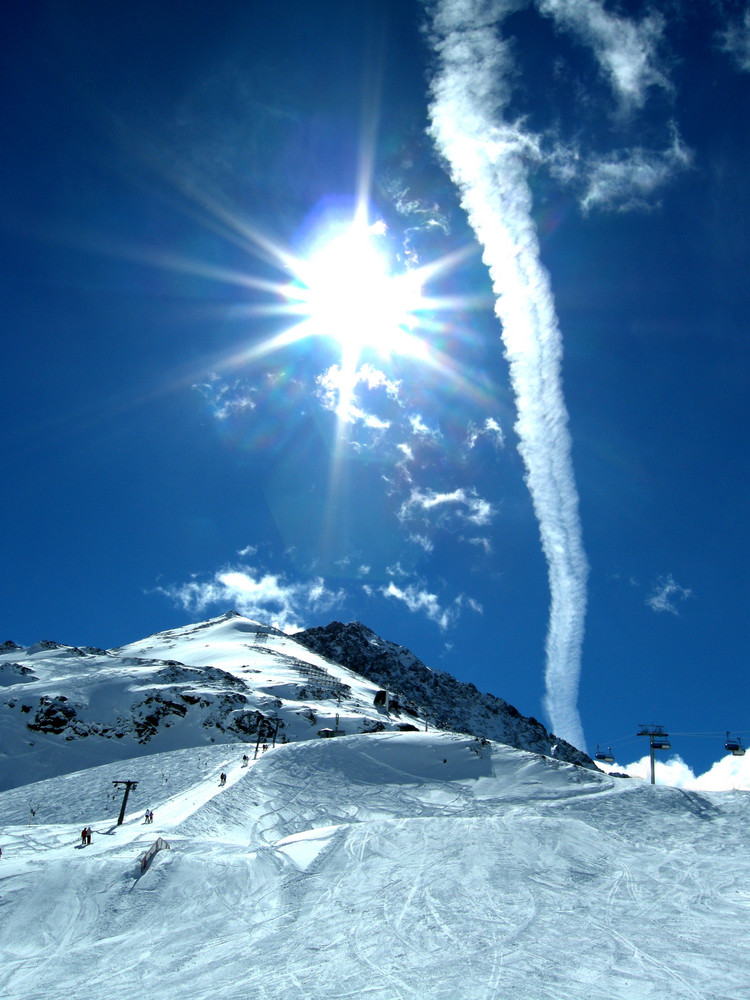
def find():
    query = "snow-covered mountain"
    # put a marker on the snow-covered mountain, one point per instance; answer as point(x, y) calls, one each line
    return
point(451, 704)
point(389, 866)
point(227, 680)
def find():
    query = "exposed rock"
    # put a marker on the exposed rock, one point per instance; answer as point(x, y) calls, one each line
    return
point(413, 686)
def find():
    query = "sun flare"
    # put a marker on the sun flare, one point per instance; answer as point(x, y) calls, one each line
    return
point(349, 293)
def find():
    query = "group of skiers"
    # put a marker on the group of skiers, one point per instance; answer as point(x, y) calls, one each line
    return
point(222, 778)
point(85, 836)
point(149, 816)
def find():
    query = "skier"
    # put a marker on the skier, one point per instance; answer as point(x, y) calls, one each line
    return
point(83, 837)
point(88, 834)
point(151, 816)
point(146, 819)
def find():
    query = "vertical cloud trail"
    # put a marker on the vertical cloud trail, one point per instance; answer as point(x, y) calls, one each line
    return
point(469, 95)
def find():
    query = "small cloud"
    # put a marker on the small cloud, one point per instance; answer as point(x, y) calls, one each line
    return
point(735, 40)
point(491, 430)
point(420, 600)
point(249, 550)
point(422, 430)
point(482, 543)
point(266, 597)
point(425, 543)
point(666, 594)
point(475, 605)
point(397, 570)
point(227, 399)
point(466, 506)
point(340, 392)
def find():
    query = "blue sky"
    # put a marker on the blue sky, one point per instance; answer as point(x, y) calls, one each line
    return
point(538, 484)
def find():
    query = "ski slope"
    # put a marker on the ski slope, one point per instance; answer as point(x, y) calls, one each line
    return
point(227, 680)
point(383, 866)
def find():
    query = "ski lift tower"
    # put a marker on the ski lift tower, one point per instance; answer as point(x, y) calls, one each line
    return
point(128, 785)
point(658, 740)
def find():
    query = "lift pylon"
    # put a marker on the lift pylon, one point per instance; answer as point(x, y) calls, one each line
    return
point(658, 740)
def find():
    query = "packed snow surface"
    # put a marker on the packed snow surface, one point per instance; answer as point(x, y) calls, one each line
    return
point(385, 866)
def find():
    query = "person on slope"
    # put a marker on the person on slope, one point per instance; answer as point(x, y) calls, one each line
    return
point(83, 837)
point(88, 834)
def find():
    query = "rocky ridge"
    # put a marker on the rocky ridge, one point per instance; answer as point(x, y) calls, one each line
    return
point(417, 689)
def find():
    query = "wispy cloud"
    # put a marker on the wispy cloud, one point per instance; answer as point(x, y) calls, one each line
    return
point(266, 597)
point(227, 398)
point(482, 543)
point(341, 393)
point(666, 595)
point(628, 178)
point(421, 600)
point(626, 50)
point(465, 506)
point(421, 429)
point(489, 430)
point(486, 156)
point(735, 39)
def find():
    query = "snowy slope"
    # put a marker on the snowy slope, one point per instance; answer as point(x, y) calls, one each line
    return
point(389, 866)
point(227, 680)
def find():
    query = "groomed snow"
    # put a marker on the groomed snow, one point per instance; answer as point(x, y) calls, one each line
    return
point(384, 866)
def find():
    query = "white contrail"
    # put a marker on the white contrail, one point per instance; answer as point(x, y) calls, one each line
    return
point(469, 95)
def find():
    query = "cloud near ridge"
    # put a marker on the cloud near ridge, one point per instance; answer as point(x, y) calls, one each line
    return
point(420, 600)
point(266, 597)
point(486, 157)
point(727, 773)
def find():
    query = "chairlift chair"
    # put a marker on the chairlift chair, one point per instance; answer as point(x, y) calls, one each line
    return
point(734, 746)
point(607, 757)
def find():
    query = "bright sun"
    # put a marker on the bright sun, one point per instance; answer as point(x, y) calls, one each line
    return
point(350, 294)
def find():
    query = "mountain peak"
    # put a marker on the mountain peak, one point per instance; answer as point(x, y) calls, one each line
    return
point(231, 679)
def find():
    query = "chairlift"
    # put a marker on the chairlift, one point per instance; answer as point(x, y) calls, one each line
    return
point(734, 746)
point(661, 745)
point(607, 756)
